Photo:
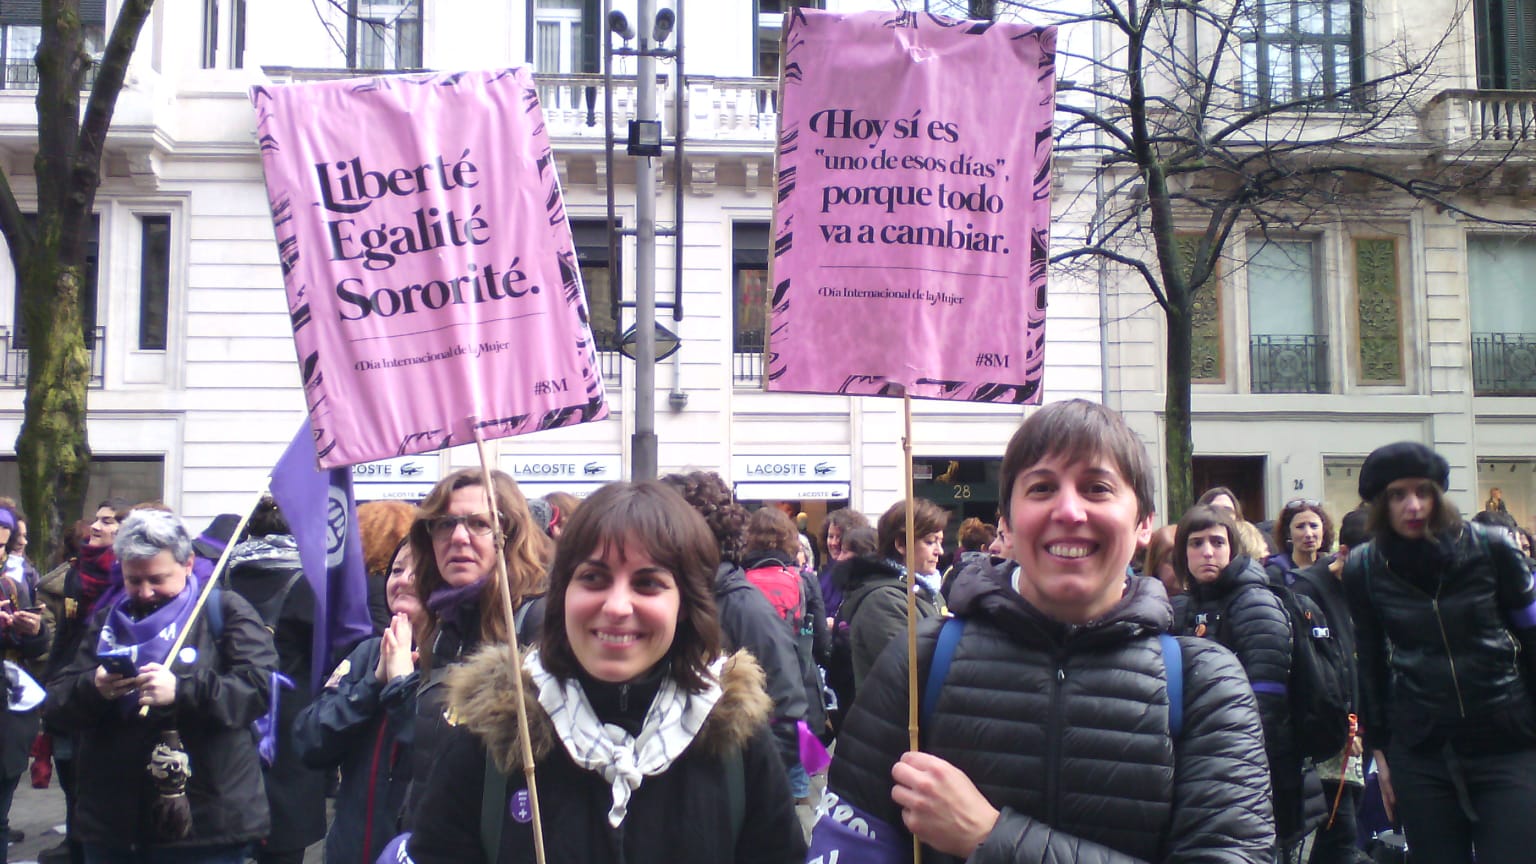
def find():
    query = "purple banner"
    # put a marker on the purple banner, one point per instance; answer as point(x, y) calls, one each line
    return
point(844, 833)
point(913, 216)
point(323, 517)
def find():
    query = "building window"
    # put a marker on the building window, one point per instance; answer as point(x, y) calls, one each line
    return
point(768, 26)
point(386, 34)
point(1301, 50)
point(135, 478)
point(1503, 319)
point(603, 286)
point(565, 34)
point(1206, 363)
point(1287, 351)
point(1379, 308)
point(21, 32)
point(88, 291)
point(223, 21)
point(1506, 44)
point(154, 280)
point(749, 292)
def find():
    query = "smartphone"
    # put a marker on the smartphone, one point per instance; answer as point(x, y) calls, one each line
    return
point(118, 661)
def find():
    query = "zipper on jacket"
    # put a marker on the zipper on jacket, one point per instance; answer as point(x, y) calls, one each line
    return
point(623, 697)
point(1434, 603)
point(1053, 745)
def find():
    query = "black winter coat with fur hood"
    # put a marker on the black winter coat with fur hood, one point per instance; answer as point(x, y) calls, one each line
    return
point(680, 815)
point(1065, 729)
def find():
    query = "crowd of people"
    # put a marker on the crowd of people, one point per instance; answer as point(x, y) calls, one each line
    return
point(1092, 688)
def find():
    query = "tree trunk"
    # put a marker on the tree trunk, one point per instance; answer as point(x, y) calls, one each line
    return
point(1178, 433)
point(51, 451)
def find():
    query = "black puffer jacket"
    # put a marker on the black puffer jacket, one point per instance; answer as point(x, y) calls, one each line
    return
point(681, 814)
point(1444, 643)
point(1239, 611)
point(748, 621)
point(266, 571)
point(217, 698)
point(875, 607)
point(1065, 730)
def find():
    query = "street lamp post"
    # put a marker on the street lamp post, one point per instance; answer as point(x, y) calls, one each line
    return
point(645, 144)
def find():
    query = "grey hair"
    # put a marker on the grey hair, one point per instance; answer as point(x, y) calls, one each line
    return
point(147, 533)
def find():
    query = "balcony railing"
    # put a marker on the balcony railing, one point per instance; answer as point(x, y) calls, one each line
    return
point(1481, 116)
point(22, 75)
point(1288, 364)
point(747, 359)
point(13, 360)
point(1504, 364)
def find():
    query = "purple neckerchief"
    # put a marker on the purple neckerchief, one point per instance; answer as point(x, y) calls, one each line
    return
point(445, 599)
point(202, 568)
point(150, 638)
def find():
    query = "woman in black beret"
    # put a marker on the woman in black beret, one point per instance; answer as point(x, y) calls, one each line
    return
point(1445, 623)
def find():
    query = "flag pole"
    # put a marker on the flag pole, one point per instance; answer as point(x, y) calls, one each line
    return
point(510, 617)
point(202, 596)
point(912, 695)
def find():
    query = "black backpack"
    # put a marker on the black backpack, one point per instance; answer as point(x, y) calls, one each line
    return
point(840, 658)
point(1319, 688)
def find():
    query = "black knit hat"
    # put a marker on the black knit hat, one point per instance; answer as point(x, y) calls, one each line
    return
point(1396, 461)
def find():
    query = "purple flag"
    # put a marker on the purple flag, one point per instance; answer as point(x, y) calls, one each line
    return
point(845, 833)
point(323, 517)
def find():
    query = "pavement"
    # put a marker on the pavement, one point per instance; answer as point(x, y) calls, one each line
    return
point(40, 813)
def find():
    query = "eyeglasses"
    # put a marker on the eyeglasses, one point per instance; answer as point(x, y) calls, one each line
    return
point(1303, 502)
point(443, 527)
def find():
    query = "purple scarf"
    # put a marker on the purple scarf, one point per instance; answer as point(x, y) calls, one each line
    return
point(445, 600)
point(148, 639)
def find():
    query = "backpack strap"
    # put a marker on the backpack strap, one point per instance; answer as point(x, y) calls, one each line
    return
point(735, 792)
point(943, 653)
point(215, 609)
point(1173, 666)
point(493, 798)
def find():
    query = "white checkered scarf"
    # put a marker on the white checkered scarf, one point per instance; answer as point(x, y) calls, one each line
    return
point(623, 760)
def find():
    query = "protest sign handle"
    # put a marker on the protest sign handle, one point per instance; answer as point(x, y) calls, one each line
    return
point(510, 616)
point(912, 695)
point(202, 597)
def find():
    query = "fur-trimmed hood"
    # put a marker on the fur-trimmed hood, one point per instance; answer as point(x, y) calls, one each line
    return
point(482, 698)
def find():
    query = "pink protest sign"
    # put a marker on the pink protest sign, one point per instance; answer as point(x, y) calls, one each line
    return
point(430, 269)
point(914, 207)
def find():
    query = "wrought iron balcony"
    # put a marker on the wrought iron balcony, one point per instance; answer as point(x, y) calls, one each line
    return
point(1288, 364)
point(747, 358)
point(13, 359)
point(22, 75)
point(1504, 364)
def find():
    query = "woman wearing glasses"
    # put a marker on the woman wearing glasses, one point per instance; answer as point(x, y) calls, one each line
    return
point(454, 547)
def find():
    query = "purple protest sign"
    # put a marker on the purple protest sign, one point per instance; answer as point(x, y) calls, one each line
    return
point(913, 215)
point(430, 269)
point(845, 833)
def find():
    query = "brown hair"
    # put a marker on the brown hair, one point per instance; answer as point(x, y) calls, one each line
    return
point(846, 520)
point(1077, 431)
point(1442, 518)
point(770, 530)
point(1291, 510)
point(564, 504)
point(710, 496)
point(927, 517)
point(1160, 551)
point(526, 550)
point(382, 525)
point(1199, 518)
point(676, 537)
point(1215, 492)
point(976, 535)
point(862, 542)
